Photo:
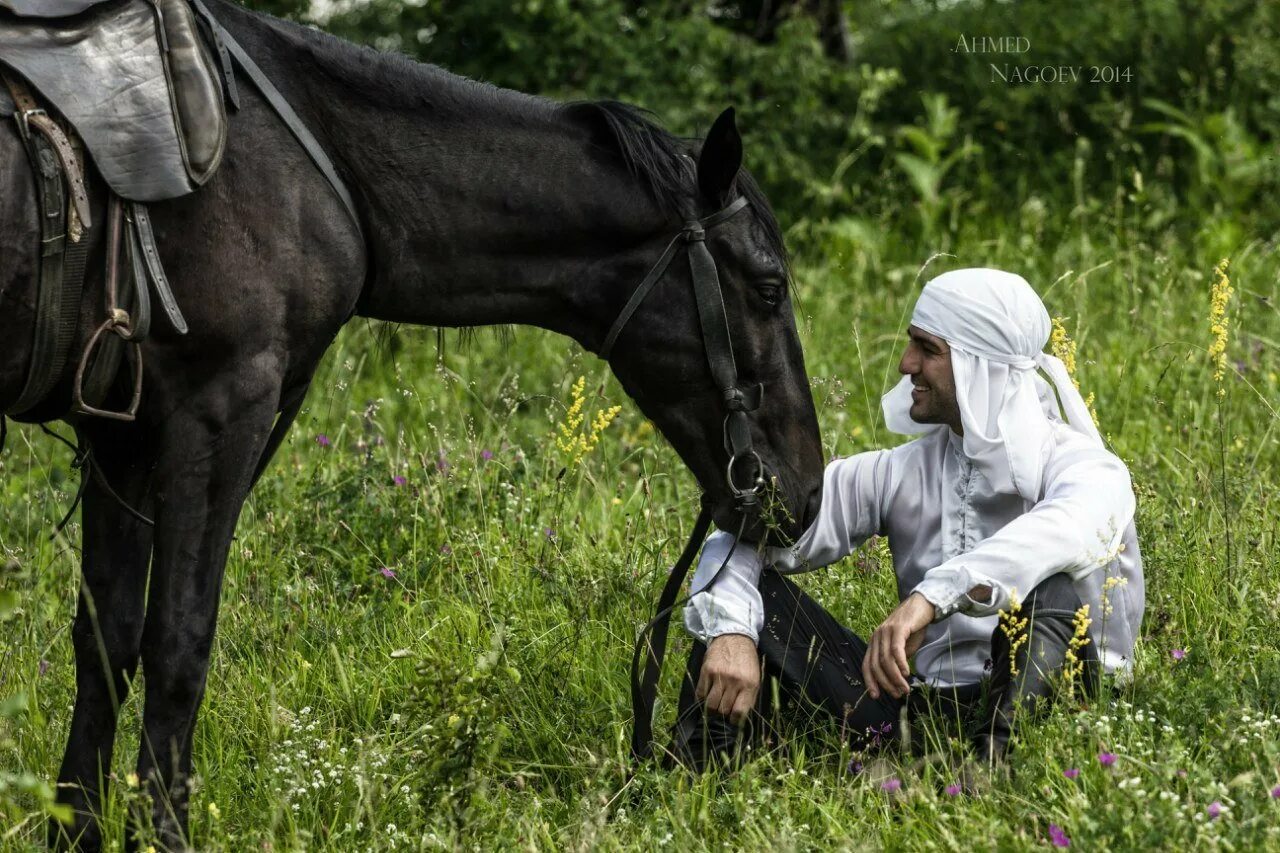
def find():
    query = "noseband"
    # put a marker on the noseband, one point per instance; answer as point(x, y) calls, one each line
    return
point(715, 337)
point(652, 642)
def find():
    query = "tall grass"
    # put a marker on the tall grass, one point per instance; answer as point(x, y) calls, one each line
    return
point(428, 615)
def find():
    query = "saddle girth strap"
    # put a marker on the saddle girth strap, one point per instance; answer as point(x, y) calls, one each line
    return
point(61, 265)
point(290, 118)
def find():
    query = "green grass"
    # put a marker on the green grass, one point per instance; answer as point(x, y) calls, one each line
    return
point(479, 698)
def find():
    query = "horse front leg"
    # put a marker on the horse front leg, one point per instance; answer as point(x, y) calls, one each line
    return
point(108, 626)
point(211, 449)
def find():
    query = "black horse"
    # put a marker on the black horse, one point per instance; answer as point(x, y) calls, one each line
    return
point(480, 206)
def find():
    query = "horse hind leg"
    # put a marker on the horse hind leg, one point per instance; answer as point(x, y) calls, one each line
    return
point(108, 628)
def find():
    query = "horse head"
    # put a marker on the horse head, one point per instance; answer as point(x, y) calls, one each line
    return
point(666, 351)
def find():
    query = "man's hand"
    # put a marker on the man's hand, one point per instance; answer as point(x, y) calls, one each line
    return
point(886, 665)
point(730, 676)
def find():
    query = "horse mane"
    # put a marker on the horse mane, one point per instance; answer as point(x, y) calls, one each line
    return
point(660, 160)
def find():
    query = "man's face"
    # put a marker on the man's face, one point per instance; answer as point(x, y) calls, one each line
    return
point(927, 361)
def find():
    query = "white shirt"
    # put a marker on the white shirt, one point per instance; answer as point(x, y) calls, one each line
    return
point(949, 532)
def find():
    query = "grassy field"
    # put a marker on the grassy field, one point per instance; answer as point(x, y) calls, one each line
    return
point(425, 632)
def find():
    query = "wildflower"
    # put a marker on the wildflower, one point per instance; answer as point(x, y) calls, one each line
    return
point(445, 549)
point(1215, 810)
point(549, 533)
point(952, 790)
point(323, 440)
point(214, 811)
point(1219, 295)
point(1064, 349)
point(1057, 837)
point(573, 440)
point(1106, 759)
point(44, 667)
point(1071, 772)
point(442, 463)
point(1108, 585)
point(891, 785)
point(1275, 793)
point(486, 455)
point(399, 480)
point(1073, 666)
point(387, 572)
point(1178, 654)
point(1015, 629)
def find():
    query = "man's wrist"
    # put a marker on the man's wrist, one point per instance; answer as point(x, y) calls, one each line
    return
point(733, 635)
point(940, 595)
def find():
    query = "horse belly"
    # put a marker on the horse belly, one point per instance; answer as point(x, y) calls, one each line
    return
point(19, 244)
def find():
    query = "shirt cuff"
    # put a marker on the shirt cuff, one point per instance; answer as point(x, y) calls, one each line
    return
point(708, 616)
point(947, 589)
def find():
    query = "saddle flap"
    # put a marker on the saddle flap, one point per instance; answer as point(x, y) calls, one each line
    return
point(196, 89)
point(137, 85)
point(48, 8)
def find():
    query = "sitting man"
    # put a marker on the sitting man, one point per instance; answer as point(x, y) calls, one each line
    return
point(1001, 505)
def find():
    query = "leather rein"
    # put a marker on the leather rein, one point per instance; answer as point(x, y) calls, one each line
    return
point(738, 401)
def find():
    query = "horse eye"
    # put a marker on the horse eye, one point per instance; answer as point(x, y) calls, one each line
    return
point(771, 294)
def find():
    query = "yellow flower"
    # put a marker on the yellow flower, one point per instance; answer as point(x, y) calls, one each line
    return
point(573, 440)
point(1073, 666)
point(131, 780)
point(1108, 585)
point(1061, 345)
point(1219, 324)
point(1015, 629)
point(214, 811)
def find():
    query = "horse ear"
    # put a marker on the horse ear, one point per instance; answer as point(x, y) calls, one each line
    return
point(721, 157)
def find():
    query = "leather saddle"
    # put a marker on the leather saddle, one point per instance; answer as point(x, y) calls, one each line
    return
point(135, 81)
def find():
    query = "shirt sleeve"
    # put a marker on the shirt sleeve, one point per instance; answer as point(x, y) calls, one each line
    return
point(852, 495)
point(1076, 528)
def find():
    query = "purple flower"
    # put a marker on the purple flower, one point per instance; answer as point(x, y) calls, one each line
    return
point(486, 455)
point(442, 463)
point(855, 766)
point(44, 668)
point(952, 789)
point(891, 785)
point(1178, 654)
point(549, 533)
point(1072, 772)
point(1058, 837)
point(445, 549)
point(323, 440)
point(1275, 792)
point(387, 572)
point(1106, 759)
point(399, 480)
point(1214, 810)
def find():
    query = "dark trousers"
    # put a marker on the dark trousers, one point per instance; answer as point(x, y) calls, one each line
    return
point(813, 678)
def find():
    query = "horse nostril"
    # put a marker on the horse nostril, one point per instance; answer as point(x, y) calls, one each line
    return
point(811, 508)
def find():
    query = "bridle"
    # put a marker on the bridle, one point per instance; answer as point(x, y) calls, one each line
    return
point(715, 336)
point(738, 402)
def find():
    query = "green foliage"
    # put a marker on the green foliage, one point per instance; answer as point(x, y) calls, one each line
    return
point(25, 796)
point(838, 141)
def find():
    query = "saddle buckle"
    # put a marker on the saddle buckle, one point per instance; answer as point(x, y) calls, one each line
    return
point(24, 120)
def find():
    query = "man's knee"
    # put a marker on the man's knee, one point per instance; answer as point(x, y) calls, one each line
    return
point(1055, 593)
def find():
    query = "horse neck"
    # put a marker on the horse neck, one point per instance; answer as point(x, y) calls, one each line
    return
point(481, 205)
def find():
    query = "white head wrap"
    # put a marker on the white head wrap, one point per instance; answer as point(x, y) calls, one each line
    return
point(997, 329)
